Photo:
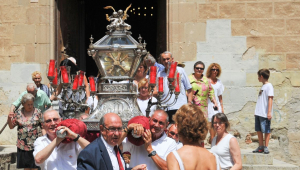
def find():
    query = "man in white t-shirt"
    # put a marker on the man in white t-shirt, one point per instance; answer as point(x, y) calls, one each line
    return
point(173, 133)
point(264, 111)
point(49, 153)
point(157, 145)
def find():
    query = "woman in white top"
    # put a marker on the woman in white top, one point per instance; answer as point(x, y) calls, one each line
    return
point(144, 97)
point(225, 145)
point(213, 72)
point(192, 128)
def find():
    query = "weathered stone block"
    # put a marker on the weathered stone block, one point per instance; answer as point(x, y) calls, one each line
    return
point(248, 65)
point(24, 34)
point(29, 53)
point(276, 78)
point(243, 27)
point(208, 11)
point(293, 61)
point(272, 61)
point(44, 2)
point(186, 51)
point(287, 9)
point(259, 10)
point(292, 26)
point(232, 10)
point(218, 28)
point(265, 43)
point(176, 32)
point(234, 78)
point(12, 14)
point(271, 26)
point(21, 73)
point(6, 30)
point(43, 34)
point(295, 81)
point(10, 134)
point(23, 2)
point(287, 44)
point(252, 80)
point(194, 32)
point(6, 2)
point(42, 53)
point(174, 12)
point(44, 14)
point(32, 15)
point(187, 12)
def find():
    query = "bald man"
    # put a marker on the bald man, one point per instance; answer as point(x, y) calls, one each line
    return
point(41, 100)
point(157, 145)
point(104, 153)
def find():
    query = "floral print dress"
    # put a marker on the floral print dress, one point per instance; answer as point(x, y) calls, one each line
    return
point(28, 129)
point(205, 91)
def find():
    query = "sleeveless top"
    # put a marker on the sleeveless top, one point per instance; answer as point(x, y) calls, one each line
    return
point(181, 163)
point(222, 149)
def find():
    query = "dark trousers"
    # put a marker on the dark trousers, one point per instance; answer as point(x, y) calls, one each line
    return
point(170, 114)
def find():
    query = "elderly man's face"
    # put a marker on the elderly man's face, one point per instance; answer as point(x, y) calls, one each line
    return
point(158, 123)
point(165, 59)
point(51, 120)
point(31, 91)
point(37, 80)
point(173, 133)
point(112, 129)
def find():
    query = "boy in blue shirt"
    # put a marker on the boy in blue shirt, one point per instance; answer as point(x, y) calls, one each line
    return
point(264, 111)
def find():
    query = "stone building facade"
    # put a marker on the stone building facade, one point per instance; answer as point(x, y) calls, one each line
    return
point(243, 36)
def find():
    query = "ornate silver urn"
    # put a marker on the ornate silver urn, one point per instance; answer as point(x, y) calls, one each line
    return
point(118, 57)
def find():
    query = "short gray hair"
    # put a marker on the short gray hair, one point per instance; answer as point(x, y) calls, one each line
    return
point(163, 112)
point(27, 97)
point(31, 85)
point(49, 110)
point(170, 125)
point(167, 52)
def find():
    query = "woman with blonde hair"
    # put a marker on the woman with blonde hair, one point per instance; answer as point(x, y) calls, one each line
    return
point(144, 97)
point(192, 128)
point(213, 72)
point(37, 78)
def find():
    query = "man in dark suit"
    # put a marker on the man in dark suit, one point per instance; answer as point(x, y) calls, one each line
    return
point(103, 153)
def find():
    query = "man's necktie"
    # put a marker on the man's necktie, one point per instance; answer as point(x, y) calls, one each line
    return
point(119, 157)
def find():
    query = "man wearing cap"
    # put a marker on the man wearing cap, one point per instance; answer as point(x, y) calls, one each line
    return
point(183, 97)
point(104, 153)
point(156, 145)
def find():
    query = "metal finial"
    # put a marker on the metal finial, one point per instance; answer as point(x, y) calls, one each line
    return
point(91, 39)
point(140, 38)
point(144, 44)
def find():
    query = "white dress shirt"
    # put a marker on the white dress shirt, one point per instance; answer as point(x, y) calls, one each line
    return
point(64, 156)
point(113, 156)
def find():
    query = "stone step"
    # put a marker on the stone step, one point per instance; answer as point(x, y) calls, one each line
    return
point(256, 158)
point(277, 165)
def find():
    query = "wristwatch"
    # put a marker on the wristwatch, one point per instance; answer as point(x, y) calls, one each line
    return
point(153, 153)
point(76, 139)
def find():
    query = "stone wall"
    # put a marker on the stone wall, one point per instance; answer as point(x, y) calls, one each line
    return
point(24, 48)
point(243, 37)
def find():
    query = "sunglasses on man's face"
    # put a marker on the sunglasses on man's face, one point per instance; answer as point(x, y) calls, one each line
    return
point(199, 68)
point(214, 69)
point(173, 133)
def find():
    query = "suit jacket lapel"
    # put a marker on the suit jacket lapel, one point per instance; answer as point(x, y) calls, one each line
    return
point(105, 154)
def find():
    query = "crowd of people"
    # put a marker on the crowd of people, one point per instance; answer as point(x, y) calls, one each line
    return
point(171, 139)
